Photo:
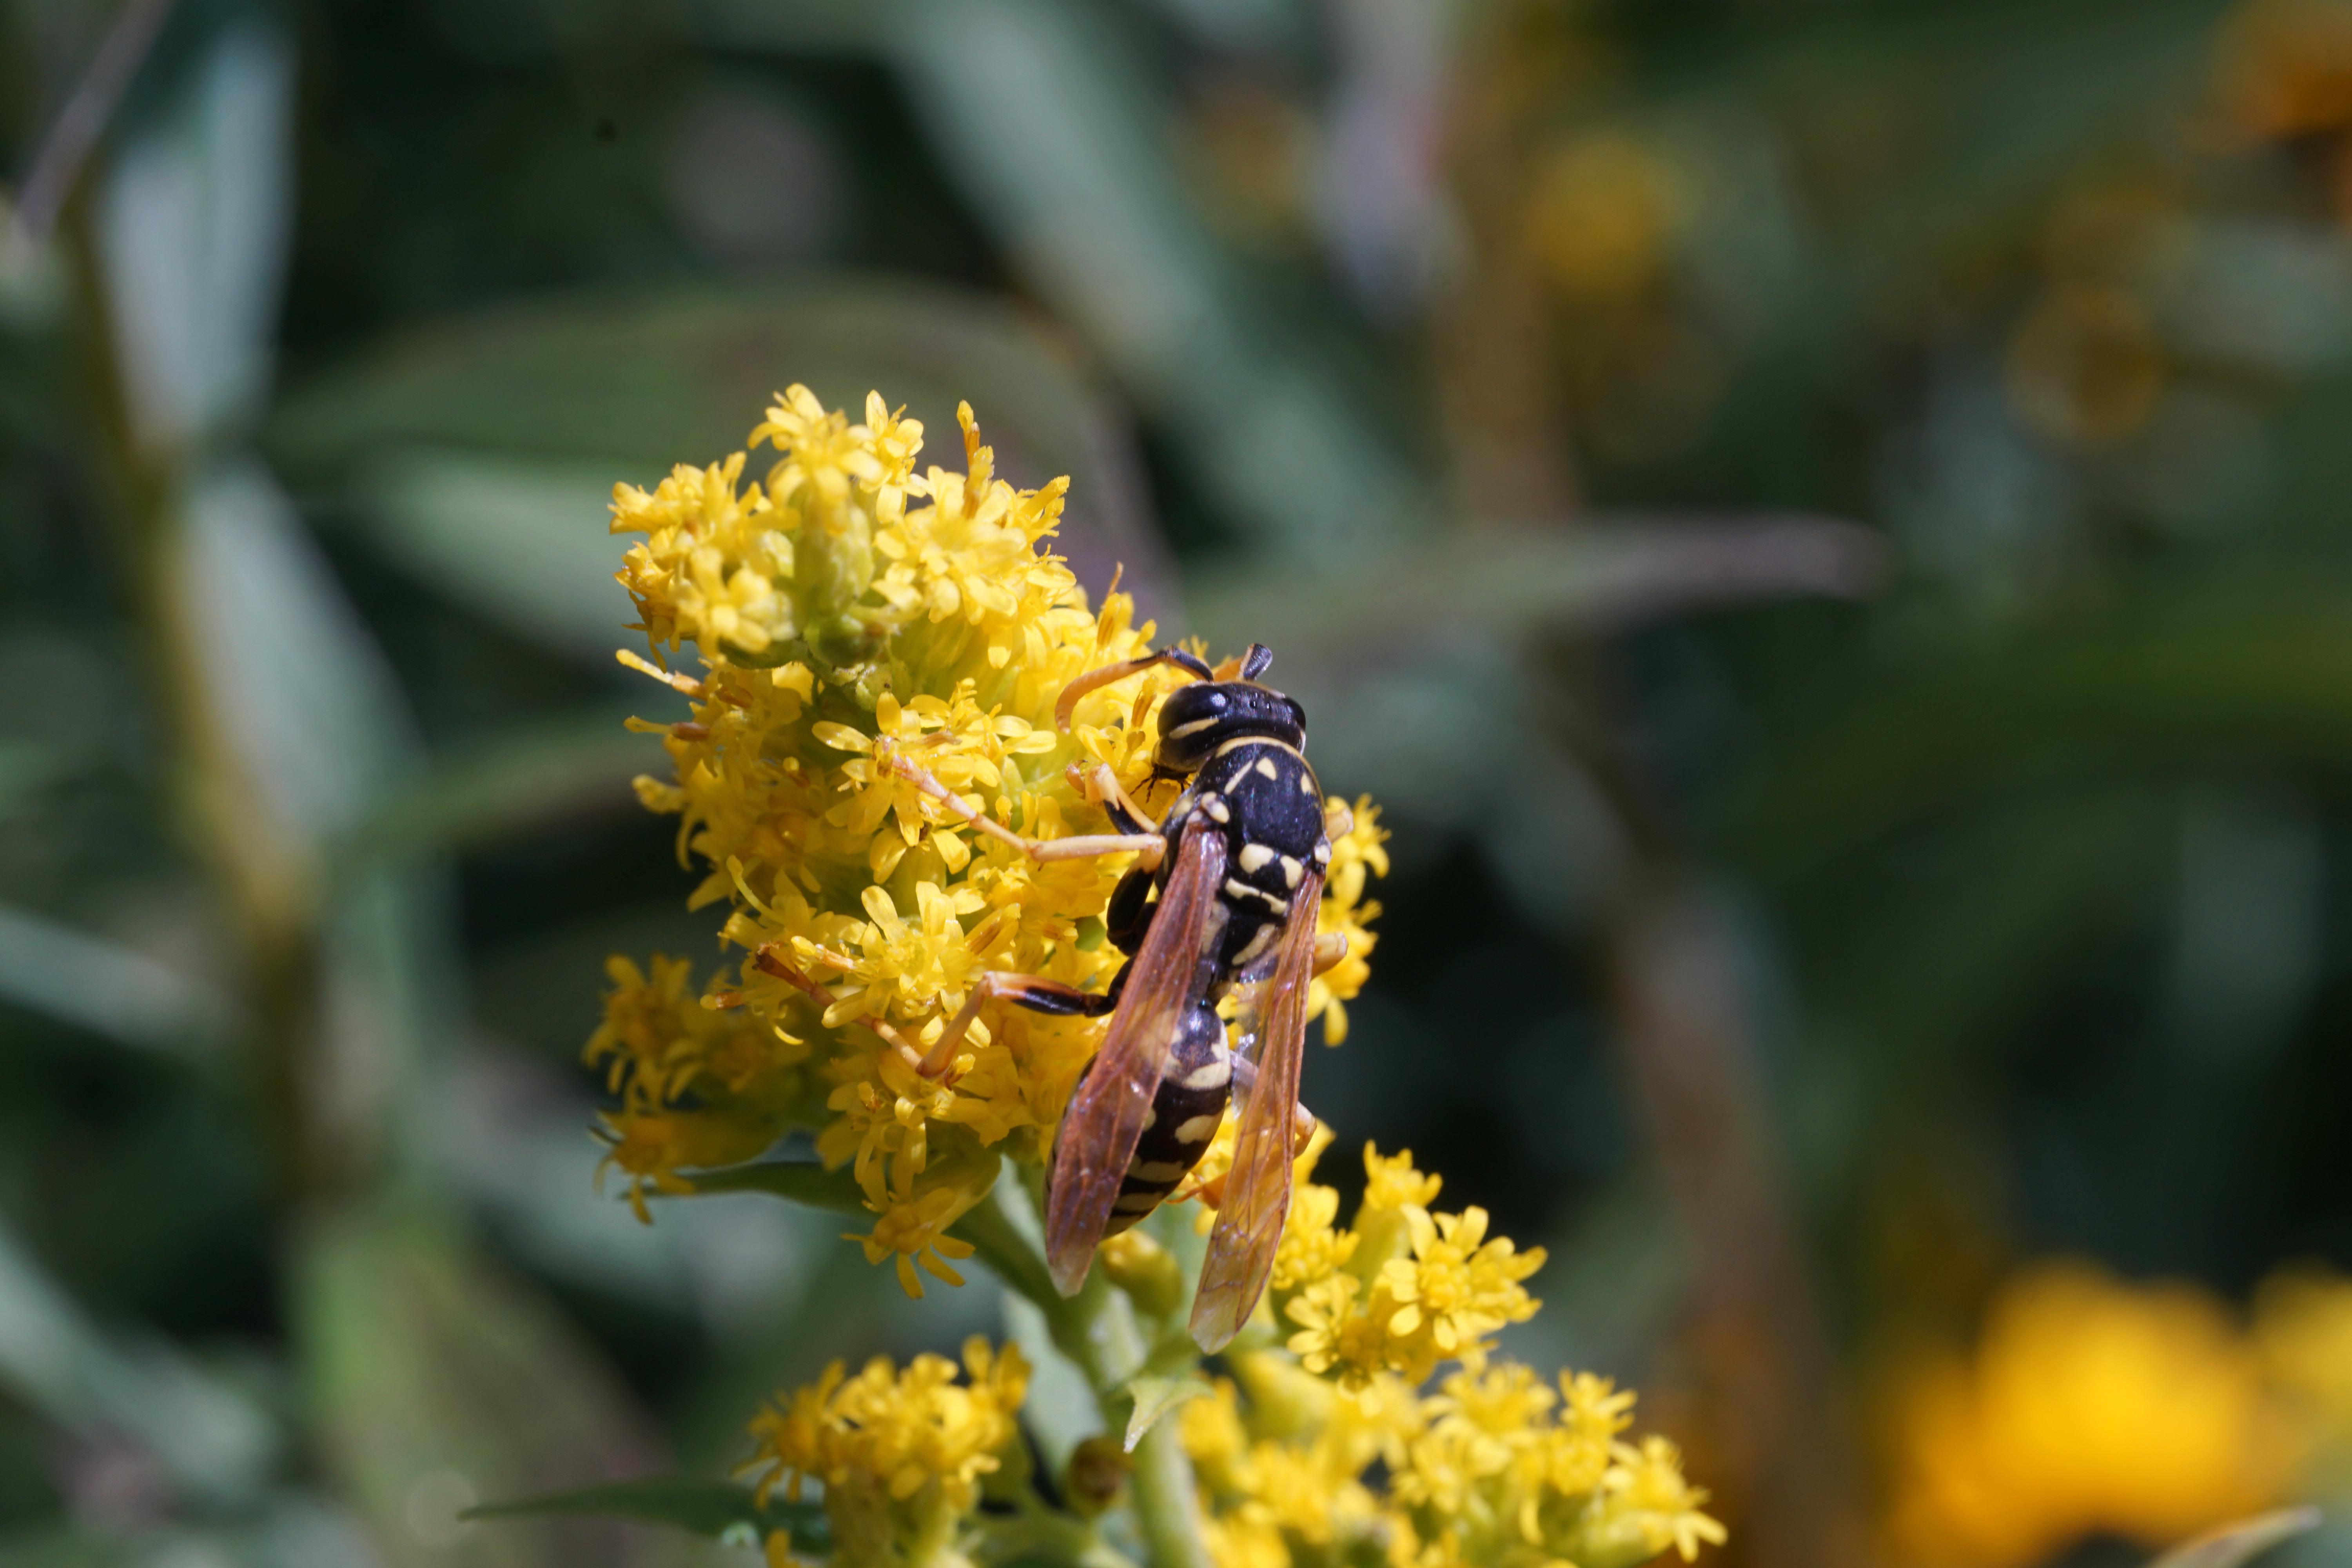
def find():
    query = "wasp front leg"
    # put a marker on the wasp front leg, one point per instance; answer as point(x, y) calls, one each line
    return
point(1049, 997)
point(1101, 787)
point(1149, 847)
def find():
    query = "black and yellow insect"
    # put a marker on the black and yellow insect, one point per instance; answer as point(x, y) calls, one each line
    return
point(1222, 898)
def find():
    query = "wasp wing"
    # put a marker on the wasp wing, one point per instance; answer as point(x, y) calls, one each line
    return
point(1105, 1121)
point(1257, 1191)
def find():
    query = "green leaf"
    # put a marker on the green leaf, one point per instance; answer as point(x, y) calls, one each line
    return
point(192, 225)
point(2229, 671)
point(798, 1181)
point(108, 989)
point(722, 1510)
point(474, 792)
point(1052, 119)
point(1061, 1411)
point(2234, 1543)
point(1604, 574)
point(436, 1379)
point(1155, 1395)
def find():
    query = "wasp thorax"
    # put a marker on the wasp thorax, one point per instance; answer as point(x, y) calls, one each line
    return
point(1196, 720)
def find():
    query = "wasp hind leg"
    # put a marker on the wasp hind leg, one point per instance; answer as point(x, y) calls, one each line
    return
point(1048, 996)
point(1302, 1120)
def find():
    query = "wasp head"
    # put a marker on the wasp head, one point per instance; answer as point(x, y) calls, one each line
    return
point(1196, 720)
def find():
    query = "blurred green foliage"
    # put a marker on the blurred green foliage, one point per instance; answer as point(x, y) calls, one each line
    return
point(1791, 968)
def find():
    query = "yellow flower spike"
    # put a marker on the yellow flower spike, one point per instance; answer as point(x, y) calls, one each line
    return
point(1646, 1508)
point(1312, 1247)
point(1394, 1193)
point(1393, 1183)
point(1359, 850)
point(900, 1453)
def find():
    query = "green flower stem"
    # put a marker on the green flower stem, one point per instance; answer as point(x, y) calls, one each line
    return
point(1097, 1331)
point(1042, 1536)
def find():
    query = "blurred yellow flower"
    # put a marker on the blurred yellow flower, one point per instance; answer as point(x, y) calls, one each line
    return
point(2285, 66)
point(2084, 364)
point(1603, 215)
point(2088, 1406)
point(2303, 1332)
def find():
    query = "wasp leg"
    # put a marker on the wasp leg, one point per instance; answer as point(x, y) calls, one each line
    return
point(1337, 820)
point(1329, 949)
point(770, 960)
point(1022, 990)
point(1302, 1120)
point(1094, 680)
point(1149, 847)
point(1101, 786)
point(1129, 914)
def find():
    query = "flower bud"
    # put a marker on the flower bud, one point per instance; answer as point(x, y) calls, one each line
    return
point(1146, 1270)
point(1097, 1474)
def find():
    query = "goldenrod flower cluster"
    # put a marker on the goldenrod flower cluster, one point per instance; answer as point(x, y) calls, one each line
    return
point(1400, 1291)
point(848, 615)
point(2092, 1406)
point(847, 609)
point(1494, 1469)
point(902, 1456)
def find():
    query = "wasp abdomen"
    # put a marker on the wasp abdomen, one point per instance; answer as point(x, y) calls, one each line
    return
point(1185, 1110)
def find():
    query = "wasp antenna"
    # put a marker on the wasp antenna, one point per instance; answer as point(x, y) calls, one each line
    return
point(1255, 662)
point(1094, 680)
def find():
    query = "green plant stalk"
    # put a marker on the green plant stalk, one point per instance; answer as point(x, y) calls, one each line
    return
point(257, 874)
point(1097, 1331)
point(1046, 1536)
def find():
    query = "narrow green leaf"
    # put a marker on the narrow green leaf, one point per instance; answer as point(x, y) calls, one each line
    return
point(436, 1378)
point(722, 1510)
point(1061, 1411)
point(191, 226)
point(108, 989)
point(480, 791)
point(1155, 1396)
point(1608, 573)
point(798, 1181)
point(2234, 1543)
point(480, 453)
point(1049, 117)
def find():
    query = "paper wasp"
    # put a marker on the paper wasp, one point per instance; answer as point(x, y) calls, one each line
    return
point(1222, 898)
